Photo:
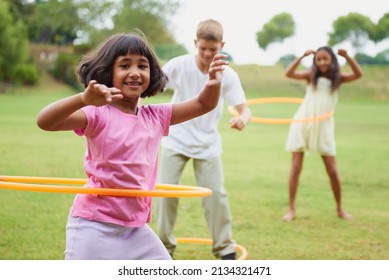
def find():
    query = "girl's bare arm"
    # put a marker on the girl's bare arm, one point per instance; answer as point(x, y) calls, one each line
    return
point(291, 71)
point(356, 69)
point(65, 114)
point(208, 98)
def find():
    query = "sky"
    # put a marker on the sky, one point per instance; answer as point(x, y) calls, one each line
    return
point(242, 19)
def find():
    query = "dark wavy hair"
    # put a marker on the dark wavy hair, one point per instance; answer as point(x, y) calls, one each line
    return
point(98, 64)
point(334, 71)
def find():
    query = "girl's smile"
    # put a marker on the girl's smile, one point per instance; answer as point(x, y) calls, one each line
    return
point(131, 74)
point(323, 61)
point(207, 49)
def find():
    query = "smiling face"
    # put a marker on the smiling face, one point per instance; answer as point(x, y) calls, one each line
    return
point(131, 74)
point(206, 50)
point(323, 61)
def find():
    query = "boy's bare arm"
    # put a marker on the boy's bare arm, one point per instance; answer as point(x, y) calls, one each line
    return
point(243, 119)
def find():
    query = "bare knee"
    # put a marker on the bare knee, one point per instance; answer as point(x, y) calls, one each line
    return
point(331, 169)
point(296, 168)
point(332, 172)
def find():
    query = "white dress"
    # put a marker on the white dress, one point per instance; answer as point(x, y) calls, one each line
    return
point(314, 136)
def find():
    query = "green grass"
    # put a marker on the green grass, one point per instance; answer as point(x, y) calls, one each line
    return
point(32, 224)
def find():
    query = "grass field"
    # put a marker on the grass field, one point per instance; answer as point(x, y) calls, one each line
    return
point(32, 224)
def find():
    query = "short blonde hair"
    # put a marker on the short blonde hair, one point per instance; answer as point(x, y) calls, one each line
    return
point(210, 30)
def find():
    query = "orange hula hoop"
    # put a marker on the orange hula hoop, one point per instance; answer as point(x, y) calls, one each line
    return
point(292, 100)
point(240, 248)
point(44, 184)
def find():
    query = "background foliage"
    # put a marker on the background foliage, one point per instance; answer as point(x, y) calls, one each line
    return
point(76, 26)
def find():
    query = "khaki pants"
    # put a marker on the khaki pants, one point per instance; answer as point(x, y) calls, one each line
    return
point(209, 174)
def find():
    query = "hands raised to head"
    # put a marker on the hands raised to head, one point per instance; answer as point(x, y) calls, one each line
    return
point(308, 52)
point(342, 52)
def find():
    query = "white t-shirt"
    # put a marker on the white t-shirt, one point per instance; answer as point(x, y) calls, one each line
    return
point(198, 138)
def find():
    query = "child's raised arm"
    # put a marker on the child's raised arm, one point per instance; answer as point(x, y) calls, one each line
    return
point(65, 114)
point(291, 70)
point(356, 69)
point(207, 99)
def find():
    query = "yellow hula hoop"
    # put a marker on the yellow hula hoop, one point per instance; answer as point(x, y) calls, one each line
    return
point(268, 100)
point(44, 184)
point(240, 248)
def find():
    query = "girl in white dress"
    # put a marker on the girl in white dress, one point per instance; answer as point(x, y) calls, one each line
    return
point(323, 80)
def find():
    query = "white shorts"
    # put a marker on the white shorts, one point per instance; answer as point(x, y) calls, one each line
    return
point(91, 240)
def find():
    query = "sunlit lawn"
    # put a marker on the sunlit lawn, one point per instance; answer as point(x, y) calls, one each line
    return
point(32, 224)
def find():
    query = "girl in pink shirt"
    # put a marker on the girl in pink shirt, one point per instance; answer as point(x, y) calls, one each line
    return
point(123, 141)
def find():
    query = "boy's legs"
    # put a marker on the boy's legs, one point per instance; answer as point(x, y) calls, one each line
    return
point(209, 174)
point(171, 166)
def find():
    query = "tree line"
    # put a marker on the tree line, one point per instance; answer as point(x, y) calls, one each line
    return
point(80, 24)
point(66, 29)
point(354, 28)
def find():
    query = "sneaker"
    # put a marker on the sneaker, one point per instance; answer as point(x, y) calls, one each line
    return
point(231, 256)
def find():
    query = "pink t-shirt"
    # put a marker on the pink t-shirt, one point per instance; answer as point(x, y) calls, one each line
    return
point(122, 152)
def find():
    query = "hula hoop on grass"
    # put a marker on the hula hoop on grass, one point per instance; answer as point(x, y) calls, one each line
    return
point(240, 248)
point(44, 184)
point(269, 100)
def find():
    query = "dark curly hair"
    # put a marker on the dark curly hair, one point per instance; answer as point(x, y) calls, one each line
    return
point(98, 64)
point(334, 72)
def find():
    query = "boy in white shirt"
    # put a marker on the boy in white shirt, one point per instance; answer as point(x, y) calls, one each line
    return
point(200, 140)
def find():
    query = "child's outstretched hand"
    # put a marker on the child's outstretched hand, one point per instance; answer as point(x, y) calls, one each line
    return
point(215, 70)
point(99, 94)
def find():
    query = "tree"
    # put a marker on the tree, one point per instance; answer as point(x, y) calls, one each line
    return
point(61, 22)
point(14, 52)
point(20, 8)
point(277, 29)
point(382, 29)
point(354, 27)
point(382, 58)
point(53, 22)
point(150, 16)
point(285, 60)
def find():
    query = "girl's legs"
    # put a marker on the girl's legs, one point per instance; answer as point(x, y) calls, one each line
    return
point(330, 164)
point(297, 164)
